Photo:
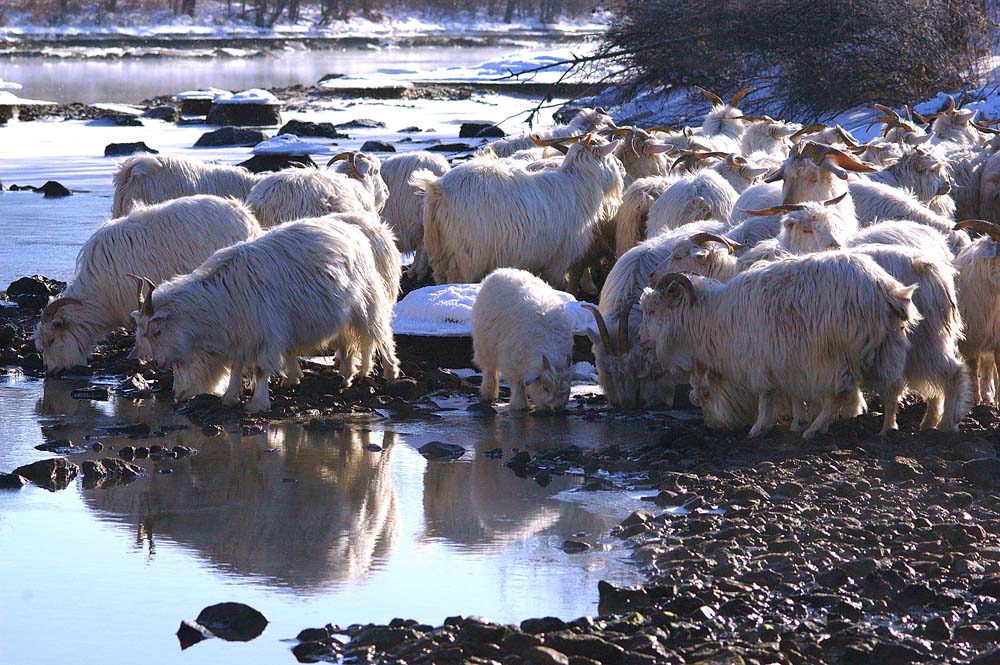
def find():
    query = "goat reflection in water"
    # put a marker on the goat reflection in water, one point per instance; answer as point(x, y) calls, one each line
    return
point(231, 502)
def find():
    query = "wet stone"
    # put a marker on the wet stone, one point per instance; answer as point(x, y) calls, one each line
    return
point(52, 474)
point(125, 149)
point(361, 123)
point(574, 546)
point(190, 633)
point(317, 652)
point(181, 452)
point(97, 393)
point(983, 472)
point(233, 622)
point(383, 637)
point(12, 481)
point(438, 450)
point(109, 468)
point(542, 625)
point(544, 656)
point(127, 453)
point(377, 146)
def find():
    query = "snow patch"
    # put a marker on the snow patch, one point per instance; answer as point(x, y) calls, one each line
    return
point(251, 96)
point(445, 310)
point(204, 93)
point(289, 144)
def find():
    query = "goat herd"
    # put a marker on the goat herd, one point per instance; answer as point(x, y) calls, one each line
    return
point(785, 269)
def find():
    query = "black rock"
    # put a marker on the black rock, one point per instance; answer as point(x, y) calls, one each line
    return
point(53, 190)
point(127, 453)
point(196, 106)
point(496, 453)
point(377, 146)
point(384, 637)
point(542, 625)
point(244, 115)
point(574, 546)
point(119, 120)
point(33, 293)
point(123, 149)
point(330, 77)
point(111, 468)
point(61, 447)
point(271, 163)
point(361, 123)
point(313, 635)
point(166, 113)
point(373, 448)
point(321, 129)
point(191, 633)
point(97, 393)
point(52, 474)
point(451, 147)
point(12, 481)
point(8, 333)
point(183, 451)
point(233, 622)
point(230, 136)
point(313, 651)
point(404, 388)
point(141, 452)
point(410, 130)
point(212, 430)
point(983, 472)
point(472, 130)
point(439, 450)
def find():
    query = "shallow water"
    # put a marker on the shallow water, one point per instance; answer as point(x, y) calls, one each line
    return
point(307, 527)
point(133, 80)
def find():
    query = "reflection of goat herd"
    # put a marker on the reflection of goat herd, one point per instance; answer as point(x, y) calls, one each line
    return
point(785, 269)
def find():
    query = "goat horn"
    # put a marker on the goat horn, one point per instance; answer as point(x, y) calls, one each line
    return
point(715, 99)
point(630, 140)
point(147, 304)
point(980, 226)
point(54, 306)
point(918, 117)
point(739, 95)
point(774, 210)
point(623, 343)
point(602, 327)
point(951, 105)
point(665, 280)
point(702, 238)
point(809, 129)
point(888, 111)
point(820, 153)
point(833, 202)
point(983, 128)
point(779, 174)
point(656, 148)
point(846, 137)
point(338, 158)
point(139, 285)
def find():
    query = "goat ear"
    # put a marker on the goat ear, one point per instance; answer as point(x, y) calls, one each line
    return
point(676, 295)
point(363, 166)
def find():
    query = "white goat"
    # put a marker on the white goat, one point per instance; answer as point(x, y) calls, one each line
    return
point(159, 241)
point(521, 330)
point(258, 304)
point(630, 376)
point(157, 178)
point(632, 216)
point(703, 195)
point(816, 327)
point(979, 301)
point(586, 120)
point(487, 214)
point(302, 193)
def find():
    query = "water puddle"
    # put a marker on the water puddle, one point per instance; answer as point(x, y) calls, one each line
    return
point(308, 527)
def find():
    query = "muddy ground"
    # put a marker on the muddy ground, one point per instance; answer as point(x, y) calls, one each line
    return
point(852, 548)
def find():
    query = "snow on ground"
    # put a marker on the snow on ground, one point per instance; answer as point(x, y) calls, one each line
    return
point(445, 310)
point(212, 21)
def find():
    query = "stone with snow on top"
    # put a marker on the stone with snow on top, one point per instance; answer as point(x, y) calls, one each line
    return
point(251, 96)
point(289, 144)
point(204, 93)
point(10, 103)
point(445, 310)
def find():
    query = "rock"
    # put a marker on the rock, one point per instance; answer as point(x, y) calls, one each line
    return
point(124, 149)
point(313, 651)
point(97, 393)
point(321, 129)
point(404, 388)
point(233, 622)
point(377, 146)
point(196, 106)
point(330, 77)
point(903, 468)
point(244, 115)
point(410, 130)
point(271, 163)
point(135, 386)
point(361, 123)
point(991, 657)
point(127, 453)
point(439, 450)
point(542, 625)
point(212, 430)
point(119, 120)
point(495, 453)
point(789, 489)
point(637, 517)
point(574, 546)
point(451, 147)
point(749, 493)
point(190, 633)
point(12, 481)
point(53, 190)
point(472, 130)
point(8, 333)
point(165, 113)
point(544, 656)
point(230, 136)
point(313, 635)
point(384, 637)
point(52, 474)
point(983, 472)
point(180, 452)
point(591, 646)
point(108, 468)
point(33, 293)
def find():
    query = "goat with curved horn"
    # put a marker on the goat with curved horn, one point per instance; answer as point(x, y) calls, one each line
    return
point(602, 327)
point(712, 97)
point(54, 306)
point(980, 226)
point(702, 238)
point(739, 95)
